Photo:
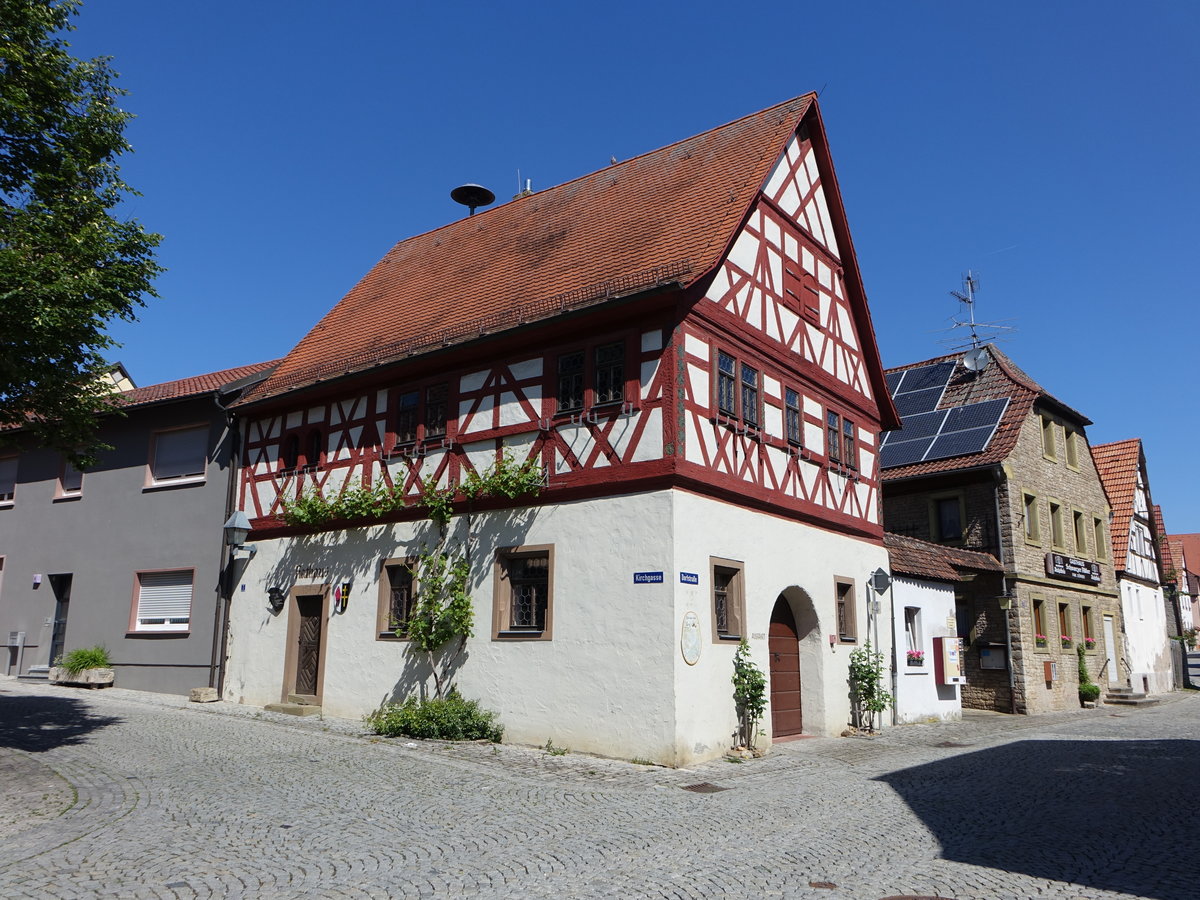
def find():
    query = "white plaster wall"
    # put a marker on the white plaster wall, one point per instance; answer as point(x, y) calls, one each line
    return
point(778, 554)
point(602, 684)
point(1146, 643)
point(919, 698)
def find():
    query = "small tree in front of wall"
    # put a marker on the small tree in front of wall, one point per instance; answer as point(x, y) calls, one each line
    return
point(867, 696)
point(749, 695)
point(1089, 691)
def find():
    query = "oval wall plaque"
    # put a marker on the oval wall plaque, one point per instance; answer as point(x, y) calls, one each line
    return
point(689, 638)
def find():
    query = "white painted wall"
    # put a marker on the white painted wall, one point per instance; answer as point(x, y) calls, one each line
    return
point(612, 680)
point(919, 698)
point(1147, 646)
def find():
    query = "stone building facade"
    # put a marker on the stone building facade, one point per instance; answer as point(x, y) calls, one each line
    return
point(1030, 495)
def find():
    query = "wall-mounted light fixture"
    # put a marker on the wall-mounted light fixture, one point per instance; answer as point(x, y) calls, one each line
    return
point(276, 596)
point(236, 528)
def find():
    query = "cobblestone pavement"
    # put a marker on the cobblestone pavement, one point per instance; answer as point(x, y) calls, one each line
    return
point(124, 794)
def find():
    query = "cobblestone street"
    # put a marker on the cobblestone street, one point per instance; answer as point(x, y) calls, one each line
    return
point(119, 794)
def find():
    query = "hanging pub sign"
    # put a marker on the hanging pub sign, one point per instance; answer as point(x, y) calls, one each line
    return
point(1069, 568)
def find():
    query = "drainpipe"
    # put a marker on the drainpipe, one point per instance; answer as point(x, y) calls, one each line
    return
point(216, 668)
point(998, 474)
point(895, 660)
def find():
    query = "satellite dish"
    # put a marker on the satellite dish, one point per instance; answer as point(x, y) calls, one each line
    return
point(472, 195)
point(976, 359)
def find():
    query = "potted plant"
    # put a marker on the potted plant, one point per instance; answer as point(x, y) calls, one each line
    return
point(916, 657)
point(87, 665)
point(1040, 640)
point(1066, 639)
point(1090, 643)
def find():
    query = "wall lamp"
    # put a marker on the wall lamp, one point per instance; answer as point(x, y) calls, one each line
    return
point(236, 528)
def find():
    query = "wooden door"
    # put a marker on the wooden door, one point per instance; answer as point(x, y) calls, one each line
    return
point(1110, 649)
point(784, 645)
point(308, 649)
point(61, 585)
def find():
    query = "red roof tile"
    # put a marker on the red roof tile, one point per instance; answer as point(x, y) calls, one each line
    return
point(1117, 464)
point(1190, 546)
point(666, 217)
point(910, 556)
point(190, 387)
point(1002, 378)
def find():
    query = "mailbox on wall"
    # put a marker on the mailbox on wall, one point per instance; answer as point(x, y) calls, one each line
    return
point(947, 660)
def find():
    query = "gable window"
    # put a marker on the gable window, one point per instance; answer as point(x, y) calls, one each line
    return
point(1057, 537)
point(846, 620)
point(1032, 526)
point(179, 456)
point(791, 404)
point(1098, 537)
point(163, 601)
point(1071, 439)
point(522, 602)
point(726, 389)
point(1048, 448)
point(1080, 522)
point(70, 482)
point(397, 594)
point(849, 455)
point(421, 415)
point(729, 599)
point(8, 479)
point(948, 518)
point(833, 436)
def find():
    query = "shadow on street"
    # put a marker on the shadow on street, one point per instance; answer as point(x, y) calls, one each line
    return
point(40, 723)
point(1105, 814)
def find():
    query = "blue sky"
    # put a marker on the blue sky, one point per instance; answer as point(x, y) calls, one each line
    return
point(283, 147)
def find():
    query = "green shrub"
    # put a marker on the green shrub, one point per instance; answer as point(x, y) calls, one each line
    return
point(451, 719)
point(1089, 692)
point(85, 658)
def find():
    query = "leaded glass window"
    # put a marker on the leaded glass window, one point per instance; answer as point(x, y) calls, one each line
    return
point(610, 373)
point(529, 577)
point(407, 417)
point(726, 386)
point(435, 410)
point(848, 452)
point(792, 415)
point(833, 434)
point(749, 395)
point(400, 599)
point(570, 381)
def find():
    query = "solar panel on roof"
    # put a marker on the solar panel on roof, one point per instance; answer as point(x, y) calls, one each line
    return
point(924, 377)
point(975, 415)
point(960, 443)
point(920, 425)
point(918, 401)
point(903, 453)
point(893, 381)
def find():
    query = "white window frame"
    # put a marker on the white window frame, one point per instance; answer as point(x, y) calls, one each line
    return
point(170, 590)
point(7, 497)
point(154, 480)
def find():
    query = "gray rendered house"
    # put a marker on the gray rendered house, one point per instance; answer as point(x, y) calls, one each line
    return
point(127, 554)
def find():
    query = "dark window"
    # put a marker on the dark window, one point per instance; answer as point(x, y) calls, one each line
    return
point(833, 434)
point(726, 384)
point(949, 519)
point(291, 451)
point(848, 450)
point(728, 600)
point(407, 417)
point(610, 373)
point(792, 414)
point(312, 452)
point(749, 395)
point(399, 600)
point(435, 410)
point(847, 627)
point(570, 381)
point(529, 577)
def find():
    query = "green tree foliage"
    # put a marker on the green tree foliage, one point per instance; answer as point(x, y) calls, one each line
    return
point(867, 696)
point(749, 694)
point(68, 265)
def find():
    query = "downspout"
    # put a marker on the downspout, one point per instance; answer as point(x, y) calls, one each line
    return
point(216, 669)
point(1012, 675)
point(895, 659)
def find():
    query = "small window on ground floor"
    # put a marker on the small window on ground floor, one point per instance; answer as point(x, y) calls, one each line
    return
point(397, 594)
point(847, 622)
point(728, 599)
point(523, 596)
point(163, 601)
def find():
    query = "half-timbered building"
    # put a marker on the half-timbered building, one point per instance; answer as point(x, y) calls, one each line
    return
point(682, 342)
point(1137, 558)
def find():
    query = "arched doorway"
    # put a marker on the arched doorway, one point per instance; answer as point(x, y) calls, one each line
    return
point(784, 646)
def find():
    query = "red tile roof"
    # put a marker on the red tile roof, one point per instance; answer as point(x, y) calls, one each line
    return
point(1117, 464)
point(666, 217)
point(190, 387)
point(1190, 544)
point(910, 556)
point(1001, 378)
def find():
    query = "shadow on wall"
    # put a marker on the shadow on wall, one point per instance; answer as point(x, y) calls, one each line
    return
point(39, 723)
point(1093, 813)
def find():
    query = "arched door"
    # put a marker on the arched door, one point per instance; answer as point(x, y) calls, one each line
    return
point(784, 645)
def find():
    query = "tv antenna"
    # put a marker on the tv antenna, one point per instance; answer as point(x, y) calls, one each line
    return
point(981, 332)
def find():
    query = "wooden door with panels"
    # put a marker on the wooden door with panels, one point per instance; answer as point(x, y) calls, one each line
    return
point(784, 646)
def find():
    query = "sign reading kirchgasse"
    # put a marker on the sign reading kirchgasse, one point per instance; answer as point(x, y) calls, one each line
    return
point(647, 577)
point(1071, 569)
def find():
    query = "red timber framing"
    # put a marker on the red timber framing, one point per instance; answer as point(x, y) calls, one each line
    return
point(782, 308)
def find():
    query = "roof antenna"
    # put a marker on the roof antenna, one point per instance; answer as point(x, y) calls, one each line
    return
point(472, 196)
point(980, 332)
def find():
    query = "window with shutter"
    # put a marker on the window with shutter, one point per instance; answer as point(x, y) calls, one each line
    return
point(164, 601)
point(179, 455)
